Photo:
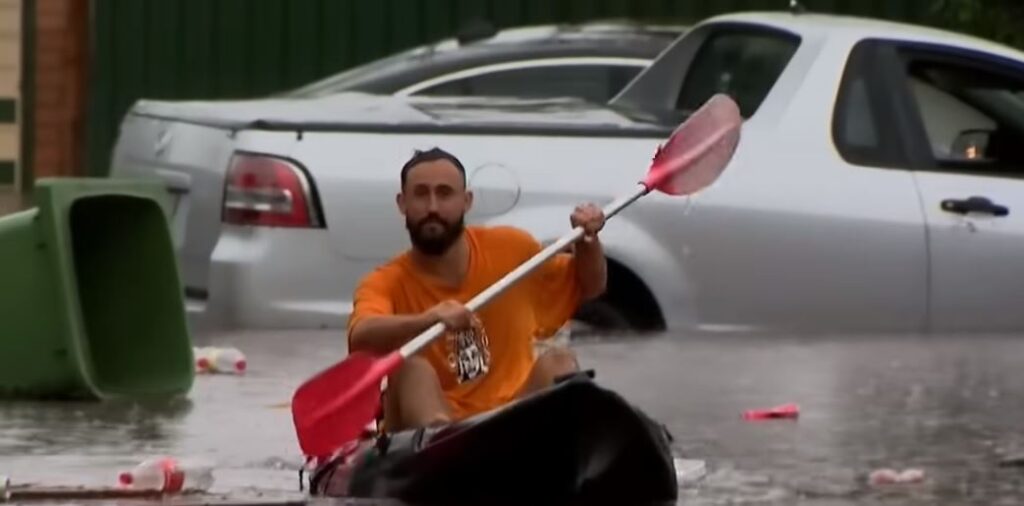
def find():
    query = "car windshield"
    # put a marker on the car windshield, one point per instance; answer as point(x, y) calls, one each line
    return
point(344, 80)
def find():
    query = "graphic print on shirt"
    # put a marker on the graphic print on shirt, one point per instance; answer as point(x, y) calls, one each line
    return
point(469, 354)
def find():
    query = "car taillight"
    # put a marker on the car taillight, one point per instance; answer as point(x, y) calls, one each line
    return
point(267, 191)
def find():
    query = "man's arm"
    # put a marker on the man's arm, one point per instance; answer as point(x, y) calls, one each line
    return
point(373, 325)
point(384, 333)
point(380, 334)
point(591, 268)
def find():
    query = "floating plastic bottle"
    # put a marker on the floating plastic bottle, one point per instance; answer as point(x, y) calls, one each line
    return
point(220, 360)
point(199, 356)
point(168, 475)
point(888, 476)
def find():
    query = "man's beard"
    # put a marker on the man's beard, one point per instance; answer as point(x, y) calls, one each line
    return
point(434, 245)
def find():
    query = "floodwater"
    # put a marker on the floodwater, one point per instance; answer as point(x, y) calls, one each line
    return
point(948, 405)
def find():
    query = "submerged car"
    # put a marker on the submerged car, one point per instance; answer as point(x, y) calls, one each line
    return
point(873, 188)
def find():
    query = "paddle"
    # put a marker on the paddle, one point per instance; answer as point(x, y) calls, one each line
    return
point(333, 407)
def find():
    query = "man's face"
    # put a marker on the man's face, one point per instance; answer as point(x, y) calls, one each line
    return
point(434, 201)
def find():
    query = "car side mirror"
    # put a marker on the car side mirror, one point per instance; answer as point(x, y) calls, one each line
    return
point(971, 145)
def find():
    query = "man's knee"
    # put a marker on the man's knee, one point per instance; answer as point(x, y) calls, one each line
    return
point(414, 397)
point(558, 361)
point(413, 369)
point(413, 374)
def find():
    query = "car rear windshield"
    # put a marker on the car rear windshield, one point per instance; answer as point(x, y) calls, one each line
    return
point(349, 78)
point(739, 61)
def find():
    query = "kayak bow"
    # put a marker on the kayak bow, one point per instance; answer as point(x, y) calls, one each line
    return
point(573, 442)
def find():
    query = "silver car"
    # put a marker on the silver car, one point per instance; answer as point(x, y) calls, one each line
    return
point(873, 189)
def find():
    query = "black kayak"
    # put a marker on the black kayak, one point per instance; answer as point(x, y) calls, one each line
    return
point(573, 443)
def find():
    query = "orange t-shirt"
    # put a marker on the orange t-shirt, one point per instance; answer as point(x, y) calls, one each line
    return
point(480, 370)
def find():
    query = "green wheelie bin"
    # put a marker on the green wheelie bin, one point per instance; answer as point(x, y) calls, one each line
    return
point(91, 303)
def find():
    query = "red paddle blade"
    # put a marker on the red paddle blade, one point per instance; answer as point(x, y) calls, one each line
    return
point(698, 150)
point(334, 407)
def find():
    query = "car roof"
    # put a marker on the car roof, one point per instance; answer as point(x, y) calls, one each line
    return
point(858, 27)
point(612, 37)
point(484, 34)
point(480, 44)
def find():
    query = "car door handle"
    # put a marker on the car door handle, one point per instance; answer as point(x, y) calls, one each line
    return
point(974, 205)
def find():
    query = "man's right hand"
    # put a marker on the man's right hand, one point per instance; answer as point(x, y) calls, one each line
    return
point(454, 315)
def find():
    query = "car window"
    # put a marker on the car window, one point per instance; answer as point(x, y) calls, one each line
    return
point(863, 129)
point(741, 63)
point(972, 114)
point(355, 76)
point(592, 82)
point(859, 129)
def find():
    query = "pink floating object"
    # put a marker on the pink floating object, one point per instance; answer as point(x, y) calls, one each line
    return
point(883, 476)
point(784, 411)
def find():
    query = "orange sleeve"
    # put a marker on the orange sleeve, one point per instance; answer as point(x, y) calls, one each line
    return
point(372, 297)
point(557, 294)
point(554, 286)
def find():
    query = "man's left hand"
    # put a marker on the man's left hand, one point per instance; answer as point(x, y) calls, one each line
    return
point(590, 217)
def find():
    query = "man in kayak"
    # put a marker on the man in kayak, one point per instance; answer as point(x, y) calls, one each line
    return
point(485, 359)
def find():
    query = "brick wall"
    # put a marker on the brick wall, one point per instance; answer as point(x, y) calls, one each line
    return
point(61, 49)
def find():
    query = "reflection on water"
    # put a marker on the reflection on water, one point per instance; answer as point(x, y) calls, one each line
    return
point(52, 428)
point(943, 404)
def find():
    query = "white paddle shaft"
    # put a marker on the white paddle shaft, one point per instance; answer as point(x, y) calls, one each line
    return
point(516, 274)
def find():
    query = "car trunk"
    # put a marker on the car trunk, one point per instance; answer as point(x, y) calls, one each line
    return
point(189, 144)
point(190, 160)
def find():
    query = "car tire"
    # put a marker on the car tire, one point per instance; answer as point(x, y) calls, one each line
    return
point(599, 316)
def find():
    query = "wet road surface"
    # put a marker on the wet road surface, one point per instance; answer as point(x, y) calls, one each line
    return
point(948, 405)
